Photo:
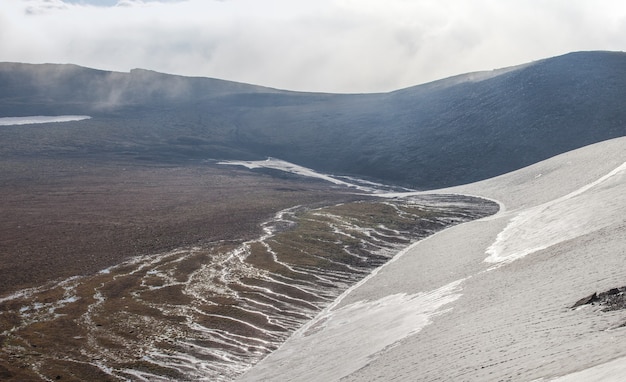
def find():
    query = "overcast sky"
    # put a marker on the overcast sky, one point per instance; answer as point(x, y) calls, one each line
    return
point(311, 45)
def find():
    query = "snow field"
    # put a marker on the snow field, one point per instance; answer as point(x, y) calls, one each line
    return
point(560, 237)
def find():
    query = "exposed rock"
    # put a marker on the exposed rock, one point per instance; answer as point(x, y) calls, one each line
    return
point(613, 299)
point(586, 300)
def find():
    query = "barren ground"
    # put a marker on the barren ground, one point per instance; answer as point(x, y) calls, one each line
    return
point(62, 218)
point(185, 272)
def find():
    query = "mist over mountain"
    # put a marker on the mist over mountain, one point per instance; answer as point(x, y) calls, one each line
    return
point(449, 132)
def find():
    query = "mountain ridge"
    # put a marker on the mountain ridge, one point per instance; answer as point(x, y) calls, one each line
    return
point(448, 132)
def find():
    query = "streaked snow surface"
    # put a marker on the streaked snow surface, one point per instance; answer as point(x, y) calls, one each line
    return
point(490, 299)
point(36, 119)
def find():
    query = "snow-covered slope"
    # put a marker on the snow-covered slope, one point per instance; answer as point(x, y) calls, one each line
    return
point(491, 299)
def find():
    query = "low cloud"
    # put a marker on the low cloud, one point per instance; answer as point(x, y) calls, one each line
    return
point(326, 45)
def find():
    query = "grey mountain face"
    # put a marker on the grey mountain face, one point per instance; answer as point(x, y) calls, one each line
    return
point(448, 132)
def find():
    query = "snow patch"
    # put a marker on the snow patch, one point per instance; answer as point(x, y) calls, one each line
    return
point(36, 119)
point(281, 165)
point(613, 371)
point(341, 341)
point(575, 214)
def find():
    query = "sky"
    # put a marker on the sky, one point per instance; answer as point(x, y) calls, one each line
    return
point(345, 46)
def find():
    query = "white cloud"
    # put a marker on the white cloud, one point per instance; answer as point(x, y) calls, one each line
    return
point(322, 45)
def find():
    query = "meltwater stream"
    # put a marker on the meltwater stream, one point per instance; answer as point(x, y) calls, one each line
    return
point(211, 312)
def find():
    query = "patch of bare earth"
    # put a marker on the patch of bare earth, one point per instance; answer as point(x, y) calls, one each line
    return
point(64, 218)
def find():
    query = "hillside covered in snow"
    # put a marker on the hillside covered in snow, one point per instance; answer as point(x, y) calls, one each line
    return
point(508, 297)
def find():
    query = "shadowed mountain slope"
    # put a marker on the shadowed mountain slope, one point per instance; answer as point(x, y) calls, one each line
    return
point(454, 131)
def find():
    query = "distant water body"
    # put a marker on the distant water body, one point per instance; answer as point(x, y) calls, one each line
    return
point(10, 121)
